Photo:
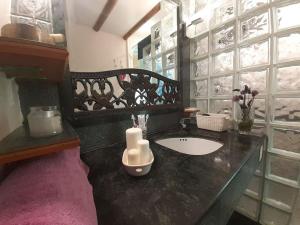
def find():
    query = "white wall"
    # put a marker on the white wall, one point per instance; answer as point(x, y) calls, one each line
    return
point(10, 110)
point(92, 51)
point(4, 12)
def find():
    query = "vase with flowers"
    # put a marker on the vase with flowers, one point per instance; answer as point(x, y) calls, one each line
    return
point(245, 99)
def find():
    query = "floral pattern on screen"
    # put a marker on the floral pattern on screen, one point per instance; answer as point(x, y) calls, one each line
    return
point(224, 38)
point(255, 26)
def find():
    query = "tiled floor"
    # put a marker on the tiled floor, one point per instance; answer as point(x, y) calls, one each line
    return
point(296, 216)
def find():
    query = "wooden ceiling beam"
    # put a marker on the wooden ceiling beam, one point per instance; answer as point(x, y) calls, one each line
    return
point(109, 5)
point(148, 16)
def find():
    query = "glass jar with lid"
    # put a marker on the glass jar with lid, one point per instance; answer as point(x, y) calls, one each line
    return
point(44, 121)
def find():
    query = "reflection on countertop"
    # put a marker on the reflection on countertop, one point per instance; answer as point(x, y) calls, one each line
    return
point(180, 189)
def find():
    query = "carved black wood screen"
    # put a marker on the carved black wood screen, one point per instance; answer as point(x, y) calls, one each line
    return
point(124, 89)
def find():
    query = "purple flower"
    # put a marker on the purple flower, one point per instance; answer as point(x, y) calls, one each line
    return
point(244, 100)
point(236, 98)
point(254, 93)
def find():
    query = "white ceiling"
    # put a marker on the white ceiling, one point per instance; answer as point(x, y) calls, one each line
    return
point(123, 17)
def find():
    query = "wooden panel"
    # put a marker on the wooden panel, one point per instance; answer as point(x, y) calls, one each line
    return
point(99, 96)
point(40, 151)
point(148, 16)
point(19, 145)
point(50, 60)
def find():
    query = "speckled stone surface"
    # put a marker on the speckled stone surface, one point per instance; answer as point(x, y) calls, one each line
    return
point(180, 189)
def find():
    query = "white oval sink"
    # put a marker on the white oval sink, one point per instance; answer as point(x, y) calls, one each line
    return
point(190, 145)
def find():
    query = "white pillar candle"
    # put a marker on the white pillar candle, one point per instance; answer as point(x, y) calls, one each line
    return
point(133, 135)
point(133, 156)
point(143, 145)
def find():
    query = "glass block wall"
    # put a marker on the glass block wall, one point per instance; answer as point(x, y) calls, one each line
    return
point(160, 55)
point(34, 12)
point(254, 42)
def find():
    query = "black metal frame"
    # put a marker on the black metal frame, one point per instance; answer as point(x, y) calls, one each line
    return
point(102, 101)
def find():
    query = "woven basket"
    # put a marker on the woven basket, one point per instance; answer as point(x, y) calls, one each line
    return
point(214, 122)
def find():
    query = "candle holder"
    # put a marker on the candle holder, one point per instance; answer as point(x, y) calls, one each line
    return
point(137, 170)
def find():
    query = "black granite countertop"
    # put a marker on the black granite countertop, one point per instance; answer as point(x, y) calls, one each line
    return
point(180, 188)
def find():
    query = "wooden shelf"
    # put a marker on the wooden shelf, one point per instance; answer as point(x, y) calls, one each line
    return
point(49, 61)
point(19, 145)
